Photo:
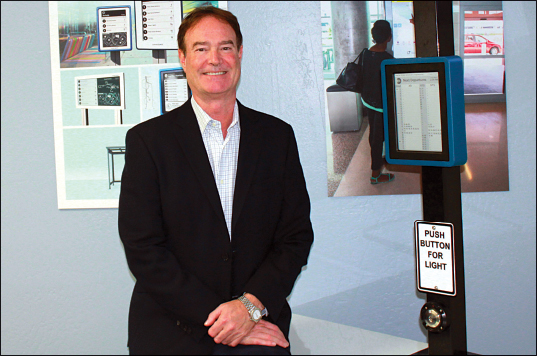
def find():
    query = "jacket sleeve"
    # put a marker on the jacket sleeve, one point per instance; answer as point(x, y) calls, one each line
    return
point(141, 229)
point(276, 276)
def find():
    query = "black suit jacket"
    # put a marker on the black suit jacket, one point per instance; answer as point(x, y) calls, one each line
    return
point(175, 237)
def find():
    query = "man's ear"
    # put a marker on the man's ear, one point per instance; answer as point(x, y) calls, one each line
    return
point(182, 58)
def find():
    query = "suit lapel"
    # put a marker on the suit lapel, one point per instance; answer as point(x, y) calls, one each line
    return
point(189, 137)
point(249, 149)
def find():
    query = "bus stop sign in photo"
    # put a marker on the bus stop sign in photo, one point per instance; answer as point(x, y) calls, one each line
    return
point(423, 104)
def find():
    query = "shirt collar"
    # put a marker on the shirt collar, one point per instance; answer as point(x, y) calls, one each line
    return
point(204, 118)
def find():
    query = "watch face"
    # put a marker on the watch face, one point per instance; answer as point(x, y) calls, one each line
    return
point(257, 314)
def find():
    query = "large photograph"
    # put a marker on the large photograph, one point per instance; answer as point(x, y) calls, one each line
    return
point(355, 150)
point(114, 65)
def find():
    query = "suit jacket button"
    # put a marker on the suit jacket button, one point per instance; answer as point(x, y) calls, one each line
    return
point(225, 257)
point(178, 322)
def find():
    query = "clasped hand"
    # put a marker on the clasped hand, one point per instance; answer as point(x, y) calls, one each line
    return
point(231, 325)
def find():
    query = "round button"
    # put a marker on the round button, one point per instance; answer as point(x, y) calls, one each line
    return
point(434, 317)
point(225, 257)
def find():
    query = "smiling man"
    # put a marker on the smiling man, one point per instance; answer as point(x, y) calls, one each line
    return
point(214, 214)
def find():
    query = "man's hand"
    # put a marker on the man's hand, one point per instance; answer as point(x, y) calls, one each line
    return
point(230, 323)
point(265, 333)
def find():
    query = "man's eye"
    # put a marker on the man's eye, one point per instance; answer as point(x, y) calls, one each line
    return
point(200, 49)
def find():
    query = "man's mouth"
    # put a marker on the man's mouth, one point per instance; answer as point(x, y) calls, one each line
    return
point(215, 73)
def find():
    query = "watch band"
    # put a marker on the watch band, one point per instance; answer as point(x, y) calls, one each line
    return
point(255, 313)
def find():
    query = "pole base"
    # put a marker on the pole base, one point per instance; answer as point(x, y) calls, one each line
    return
point(425, 352)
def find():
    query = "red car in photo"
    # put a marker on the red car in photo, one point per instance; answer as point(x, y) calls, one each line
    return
point(480, 45)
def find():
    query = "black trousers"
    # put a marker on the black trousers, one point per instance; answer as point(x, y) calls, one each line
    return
point(376, 138)
point(250, 350)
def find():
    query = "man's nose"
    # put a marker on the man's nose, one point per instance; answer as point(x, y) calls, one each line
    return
point(214, 57)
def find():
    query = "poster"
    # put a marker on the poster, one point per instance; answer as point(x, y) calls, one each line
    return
point(99, 95)
point(348, 151)
point(404, 45)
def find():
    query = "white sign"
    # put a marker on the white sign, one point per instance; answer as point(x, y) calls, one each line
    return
point(157, 23)
point(114, 27)
point(435, 258)
point(100, 91)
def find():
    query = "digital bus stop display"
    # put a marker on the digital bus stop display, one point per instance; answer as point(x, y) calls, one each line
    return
point(157, 23)
point(418, 118)
point(416, 113)
point(100, 92)
point(174, 89)
point(114, 27)
point(423, 109)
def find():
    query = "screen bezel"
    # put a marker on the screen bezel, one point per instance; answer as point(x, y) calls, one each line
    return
point(390, 72)
point(162, 98)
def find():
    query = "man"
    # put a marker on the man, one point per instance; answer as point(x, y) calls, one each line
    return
point(213, 211)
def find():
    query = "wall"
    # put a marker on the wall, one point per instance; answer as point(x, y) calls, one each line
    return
point(65, 282)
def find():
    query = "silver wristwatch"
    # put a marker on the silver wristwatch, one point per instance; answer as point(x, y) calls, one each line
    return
point(255, 313)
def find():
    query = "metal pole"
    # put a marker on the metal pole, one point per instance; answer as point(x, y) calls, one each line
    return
point(115, 56)
point(159, 56)
point(441, 187)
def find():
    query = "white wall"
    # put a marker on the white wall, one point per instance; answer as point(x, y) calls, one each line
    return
point(65, 282)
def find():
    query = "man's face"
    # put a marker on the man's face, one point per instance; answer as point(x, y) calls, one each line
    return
point(212, 62)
